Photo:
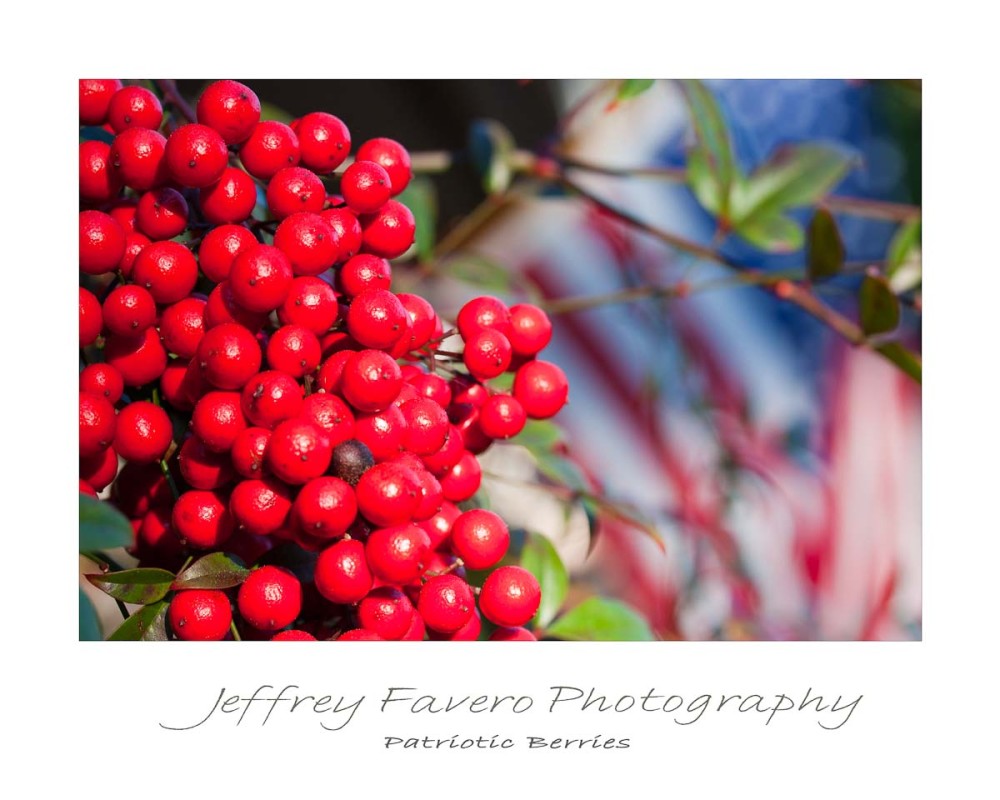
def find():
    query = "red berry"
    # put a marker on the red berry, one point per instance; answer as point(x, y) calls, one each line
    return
point(270, 147)
point(427, 426)
point(309, 242)
point(102, 243)
point(482, 313)
point(217, 420)
point(510, 596)
point(530, 329)
point(294, 350)
point(311, 303)
point(387, 612)
point(446, 603)
point(487, 354)
point(325, 141)
point(271, 397)
point(382, 433)
point(180, 386)
point(97, 424)
point(249, 451)
point(325, 507)
point(366, 187)
point(396, 555)
point(347, 229)
point(388, 494)
point(502, 416)
point(298, 452)
point(462, 481)
point(201, 519)
point(440, 462)
point(376, 318)
point(202, 468)
point(294, 189)
point(162, 214)
point(140, 487)
point(480, 538)
point(144, 432)
point(469, 632)
point(342, 574)
point(229, 199)
point(123, 212)
point(102, 379)
point(261, 278)
point(196, 155)
point(392, 157)
point(98, 184)
point(95, 97)
point(331, 371)
point(182, 326)
point(200, 615)
point(362, 272)
point(370, 380)
point(129, 310)
point(270, 598)
point(512, 635)
point(431, 386)
point(99, 470)
point(423, 320)
point(135, 243)
point(260, 506)
point(138, 359)
point(331, 415)
point(389, 231)
point(228, 356)
point(137, 159)
point(219, 249)
point(91, 320)
point(230, 108)
point(359, 635)
point(134, 107)
point(167, 269)
point(438, 526)
point(293, 636)
point(541, 388)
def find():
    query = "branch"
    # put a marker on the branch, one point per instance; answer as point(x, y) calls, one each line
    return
point(168, 88)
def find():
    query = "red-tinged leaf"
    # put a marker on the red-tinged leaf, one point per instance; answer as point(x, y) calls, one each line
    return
point(214, 571)
point(148, 624)
point(141, 586)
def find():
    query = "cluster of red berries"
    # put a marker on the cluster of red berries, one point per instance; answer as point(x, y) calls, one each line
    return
point(252, 383)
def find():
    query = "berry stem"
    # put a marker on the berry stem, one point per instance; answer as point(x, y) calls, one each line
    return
point(236, 633)
point(165, 469)
point(168, 88)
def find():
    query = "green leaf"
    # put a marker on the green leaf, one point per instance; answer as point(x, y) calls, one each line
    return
point(794, 176)
point(776, 234)
point(714, 169)
point(148, 624)
point(826, 248)
point(90, 626)
point(92, 133)
point(215, 571)
point(601, 620)
point(542, 434)
point(907, 361)
point(633, 87)
point(143, 586)
point(484, 274)
point(269, 111)
point(102, 526)
point(878, 306)
point(592, 510)
point(540, 558)
point(560, 469)
point(491, 146)
point(630, 517)
point(420, 197)
point(903, 260)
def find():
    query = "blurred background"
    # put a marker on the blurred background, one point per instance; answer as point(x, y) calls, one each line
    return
point(732, 468)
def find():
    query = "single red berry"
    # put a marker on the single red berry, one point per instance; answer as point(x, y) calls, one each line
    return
point(135, 243)
point(271, 397)
point(102, 379)
point(331, 371)
point(325, 141)
point(102, 243)
point(138, 359)
point(376, 318)
point(167, 269)
point(293, 636)
point(392, 157)
point(502, 416)
point(383, 433)
point(362, 272)
point(231, 108)
point(270, 147)
point(387, 612)
point(98, 183)
point(331, 415)
point(542, 389)
point(388, 494)
point(294, 350)
point(162, 214)
point(95, 97)
point(446, 603)
point(202, 468)
point(182, 326)
point(423, 320)
point(530, 329)
point(129, 310)
point(261, 278)
point(431, 495)
point(370, 380)
point(462, 481)
point(217, 420)
point(396, 555)
point(180, 385)
point(480, 538)
point(342, 574)
point(219, 249)
point(347, 229)
point(512, 635)
point(309, 242)
point(230, 199)
point(196, 155)
point(140, 487)
point(137, 159)
point(359, 635)
point(221, 307)
point(389, 231)
point(134, 107)
point(91, 320)
point(427, 426)
point(510, 596)
point(294, 189)
point(469, 632)
point(144, 432)
point(270, 598)
point(200, 615)
point(228, 356)
point(298, 451)
point(97, 424)
point(431, 386)
point(440, 463)
point(311, 303)
point(123, 212)
point(366, 187)
point(487, 354)
point(466, 419)
point(482, 313)
point(249, 451)
point(438, 527)
point(155, 537)
point(260, 505)
point(325, 507)
point(201, 519)
point(100, 469)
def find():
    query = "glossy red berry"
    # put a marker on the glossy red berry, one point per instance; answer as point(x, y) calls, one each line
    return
point(432, 386)
point(129, 310)
point(200, 615)
point(396, 555)
point(512, 635)
point(502, 416)
point(480, 538)
point(423, 320)
point(182, 326)
point(196, 155)
point(462, 481)
point(217, 420)
point(331, 415)
point(311, 303)
point(143, 433)
point(482, 313)
point(389, 231)
point(201, 519)
point(180, 385)
point(542, 389)
point(229, 356)
point(362, 272)
point(271, 146)
point(95, 97)
point(134, 107)
point(376, 318)
point(260, 505)
point(487, 354)
point(249, 451)
point(230, 199)
point(139, 488)
point(221, 307)
point(510, 596)
point(388, 494)
point(387, 612)
point(100, 469)
point(366, 187)
point(102, 243)
point(325, 141)
point(203, 468)
point(230, 108)
point(309, 242)
point(137, 159)
point(347, 229)
point(97, 424)
point(392, 157)
point(219, 249)
point(325, 507)
point(162, 214)
point(293, 636)
point(359, 635)
point(294, 350)
point(167, 269)
point(298, 451)
point(91, 320)
point(342, 574)
point(261, 278)
point(102, 379)
point(270, 598)
point(426, 426)
point(382, 433)
point(135, 243)
point(271, 397)
point(370, 380)
point(98, 183)
point(530, 329)
point(138, 359)
point(446, 603)
point(294, 189)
